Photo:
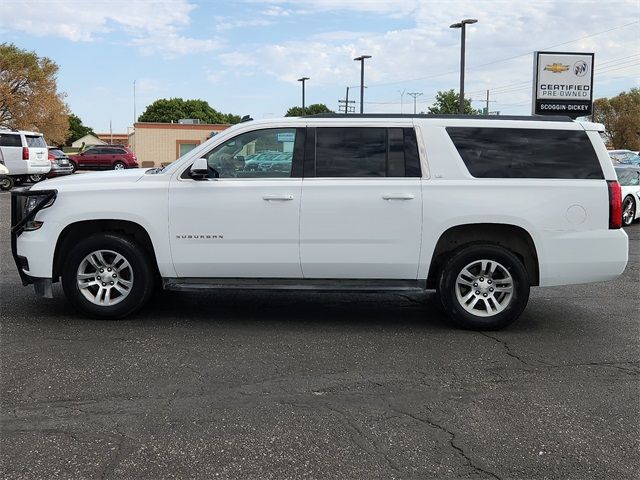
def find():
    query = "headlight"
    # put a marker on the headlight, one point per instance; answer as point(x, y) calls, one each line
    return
point(31, 203)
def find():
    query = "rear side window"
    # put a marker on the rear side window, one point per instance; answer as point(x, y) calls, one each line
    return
point(10, 140)
point(35, 141)
point(366, 152)
point(526, 153)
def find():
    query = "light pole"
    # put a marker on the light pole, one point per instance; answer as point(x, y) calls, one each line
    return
point(303, 79)
point(415, 95)
point(462, 25)
point(361, 59)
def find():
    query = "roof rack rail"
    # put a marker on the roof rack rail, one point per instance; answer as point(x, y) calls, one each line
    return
point(537, 118)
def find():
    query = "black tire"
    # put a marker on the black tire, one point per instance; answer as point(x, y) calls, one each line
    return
point(119, 165)
point(143, 280)
point(74, 166)
point(630, 204)
point(514, 302)
point(6, 183)
point(36, 177)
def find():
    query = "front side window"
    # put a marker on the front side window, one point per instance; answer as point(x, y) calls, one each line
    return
point(258, 154)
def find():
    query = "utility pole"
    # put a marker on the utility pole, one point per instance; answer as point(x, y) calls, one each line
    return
point(361, 59)
point(347, 107)
point(135, 118)
point(401, 92)
point(303, 79)
point(487, 111)
point(415, 95)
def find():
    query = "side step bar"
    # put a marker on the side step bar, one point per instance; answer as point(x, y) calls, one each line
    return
point(322, 284)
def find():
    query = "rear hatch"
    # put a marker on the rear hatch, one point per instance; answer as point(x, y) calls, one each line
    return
point(38, 153)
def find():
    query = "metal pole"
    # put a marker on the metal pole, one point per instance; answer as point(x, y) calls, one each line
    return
point(462, 68)
point(362, 86)
point(346, 103)
point(401, 97)
point(487, 103)
point(134, 102)
point(303, 110)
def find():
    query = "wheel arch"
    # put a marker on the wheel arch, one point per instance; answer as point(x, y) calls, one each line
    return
point(82, 229)
point(512, 237)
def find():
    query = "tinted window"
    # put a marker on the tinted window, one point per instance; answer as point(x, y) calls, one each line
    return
point(526, 153)
point(366, 152)
point(258, 154)
point(35, 141)
point(628, 176)
point(57, 153)
point(10, 140)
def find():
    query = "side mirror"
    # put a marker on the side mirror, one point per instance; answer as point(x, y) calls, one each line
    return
point(200, 169)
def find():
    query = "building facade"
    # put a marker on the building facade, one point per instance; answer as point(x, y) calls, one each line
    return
point(157, 144)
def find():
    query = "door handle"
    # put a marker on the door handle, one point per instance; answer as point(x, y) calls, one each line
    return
point(398, 196)
point(277, 198)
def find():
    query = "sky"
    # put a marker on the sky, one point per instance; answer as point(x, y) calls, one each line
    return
point(245, 56)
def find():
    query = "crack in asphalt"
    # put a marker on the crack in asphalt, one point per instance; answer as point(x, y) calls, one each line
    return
point(507, 349)
point(452, 444)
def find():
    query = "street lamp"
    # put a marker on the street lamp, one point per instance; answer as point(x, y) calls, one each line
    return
point(361, 59)
point(461, 25)
point(303, 79)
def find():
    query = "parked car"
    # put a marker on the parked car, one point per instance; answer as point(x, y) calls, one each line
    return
point(629, 178)
point(6, 182)
point(479, 209)
point(60, 164)
point(24, 153)
point(104, 157)
point(624, 157)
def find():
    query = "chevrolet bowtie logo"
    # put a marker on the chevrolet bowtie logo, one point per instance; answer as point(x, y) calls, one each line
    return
point(557, 68)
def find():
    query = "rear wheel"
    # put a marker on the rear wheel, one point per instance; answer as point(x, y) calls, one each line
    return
point(74, 166)
point(107, 276)
point(36, 177)
point(119, 165)
point(628, 211)
point(483, 287)
point(6, 183)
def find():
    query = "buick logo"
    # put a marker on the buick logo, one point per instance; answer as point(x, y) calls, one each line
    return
point(580, 68)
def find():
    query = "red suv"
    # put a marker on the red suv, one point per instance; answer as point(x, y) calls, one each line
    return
point(114, 157)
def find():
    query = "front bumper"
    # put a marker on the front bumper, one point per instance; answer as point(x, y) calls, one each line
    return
point(18, 222)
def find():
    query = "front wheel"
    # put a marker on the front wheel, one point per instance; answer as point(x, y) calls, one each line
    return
point(74, 166)
point(483, 287)
point(628, 211)
point(107, 276)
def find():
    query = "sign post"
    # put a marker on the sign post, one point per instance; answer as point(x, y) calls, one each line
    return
point(562, 84)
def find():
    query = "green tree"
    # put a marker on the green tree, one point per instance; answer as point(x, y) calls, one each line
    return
point(620, 116)
point(29, 97)
point(448, 103)
point(77, 129)
point(309, 110)
point(167, 110)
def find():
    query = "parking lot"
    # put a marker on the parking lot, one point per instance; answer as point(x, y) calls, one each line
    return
point(302, 385)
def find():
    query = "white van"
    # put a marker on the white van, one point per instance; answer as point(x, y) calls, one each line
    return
point(478, 208)
point(25, 153)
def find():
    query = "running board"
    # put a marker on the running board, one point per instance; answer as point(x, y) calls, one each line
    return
point(322, 284)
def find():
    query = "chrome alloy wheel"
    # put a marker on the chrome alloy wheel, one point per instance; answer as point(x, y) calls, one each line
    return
point(484, 288)
point(105, 277)
point(119, 166)
point(628, 211)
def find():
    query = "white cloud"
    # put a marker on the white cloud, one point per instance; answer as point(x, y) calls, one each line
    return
point(152, 25)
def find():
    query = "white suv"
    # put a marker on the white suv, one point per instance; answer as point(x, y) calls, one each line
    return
point(25, 153)
point(479, 209)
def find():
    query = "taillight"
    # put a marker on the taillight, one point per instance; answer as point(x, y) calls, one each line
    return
point(25, 153)
point(615, 204)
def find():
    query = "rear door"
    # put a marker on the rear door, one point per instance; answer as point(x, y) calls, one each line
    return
point(361, 204)
point(38, 153)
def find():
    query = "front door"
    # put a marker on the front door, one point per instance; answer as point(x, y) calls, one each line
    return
point(361, 214)
point(244, 220)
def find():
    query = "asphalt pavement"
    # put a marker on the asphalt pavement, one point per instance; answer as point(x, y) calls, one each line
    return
point(275, 385)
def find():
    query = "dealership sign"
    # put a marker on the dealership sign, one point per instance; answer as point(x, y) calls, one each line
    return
point(562, 84)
